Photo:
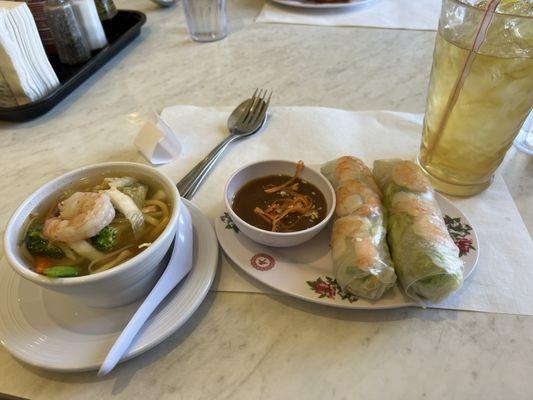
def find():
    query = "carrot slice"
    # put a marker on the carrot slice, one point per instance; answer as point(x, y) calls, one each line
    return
point(41, 263)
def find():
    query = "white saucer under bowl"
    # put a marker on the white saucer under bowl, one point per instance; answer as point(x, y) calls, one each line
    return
point(53, 331)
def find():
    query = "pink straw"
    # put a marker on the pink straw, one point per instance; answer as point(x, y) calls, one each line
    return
point(479, 39)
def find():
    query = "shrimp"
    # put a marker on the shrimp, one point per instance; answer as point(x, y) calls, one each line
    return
point(366, 253)
point(349, 167)
point(354, 196)
point(81, 216)
point(432, 228)
point(412, 204)
point(353, 231)
point(409, 175)
point(427, 218)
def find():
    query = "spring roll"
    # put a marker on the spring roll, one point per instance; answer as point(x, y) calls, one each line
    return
point(425, 257)
point(361, 261)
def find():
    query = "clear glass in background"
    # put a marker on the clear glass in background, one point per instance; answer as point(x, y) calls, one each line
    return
point(524, 140)
point(206, 19)
point(466, 136)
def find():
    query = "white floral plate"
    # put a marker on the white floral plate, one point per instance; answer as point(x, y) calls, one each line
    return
point(306, 271)
point(52, 331)
point(316, 5)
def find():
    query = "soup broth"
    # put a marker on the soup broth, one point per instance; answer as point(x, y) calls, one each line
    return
point(95, 224)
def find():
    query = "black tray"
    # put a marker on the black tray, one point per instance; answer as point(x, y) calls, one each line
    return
point(120, 31)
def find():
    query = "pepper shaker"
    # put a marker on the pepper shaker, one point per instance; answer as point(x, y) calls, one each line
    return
point(71, 42)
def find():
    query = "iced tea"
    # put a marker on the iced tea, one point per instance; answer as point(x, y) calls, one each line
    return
point(464, 141)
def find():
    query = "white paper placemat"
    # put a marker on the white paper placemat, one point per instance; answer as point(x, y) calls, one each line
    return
point(504, 276)
point(392, 14)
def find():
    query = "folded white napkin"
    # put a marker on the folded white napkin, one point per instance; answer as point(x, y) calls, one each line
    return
point(25, 72)
point(393, 14)
point(503, 280)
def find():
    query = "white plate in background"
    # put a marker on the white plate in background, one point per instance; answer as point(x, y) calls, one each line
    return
point(313, 5)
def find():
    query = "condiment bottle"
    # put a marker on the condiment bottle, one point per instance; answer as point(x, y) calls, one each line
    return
point(70, 40)
point(90, 23)
point(37, 10)
point(106, 9)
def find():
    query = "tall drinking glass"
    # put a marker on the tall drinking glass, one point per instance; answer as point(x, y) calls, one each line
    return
point(206, 19)
point(477, 100)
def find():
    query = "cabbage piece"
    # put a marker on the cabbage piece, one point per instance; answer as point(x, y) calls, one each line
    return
point(137, 192)
point(119, 182)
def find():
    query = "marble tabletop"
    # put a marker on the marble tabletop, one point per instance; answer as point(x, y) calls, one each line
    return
point(258, 346)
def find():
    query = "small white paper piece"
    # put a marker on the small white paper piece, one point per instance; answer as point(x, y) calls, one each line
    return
point(157, 143)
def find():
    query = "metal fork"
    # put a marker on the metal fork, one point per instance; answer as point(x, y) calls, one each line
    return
point(245, 120)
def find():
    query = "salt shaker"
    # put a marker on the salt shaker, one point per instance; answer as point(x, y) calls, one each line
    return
point(106, 9)
point(90, 23)
point(72, 45)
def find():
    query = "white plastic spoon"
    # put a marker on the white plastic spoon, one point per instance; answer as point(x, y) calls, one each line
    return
point(179, 265)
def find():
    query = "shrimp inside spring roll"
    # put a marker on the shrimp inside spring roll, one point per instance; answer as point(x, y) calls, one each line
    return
point(361, 260)
point(425, 256)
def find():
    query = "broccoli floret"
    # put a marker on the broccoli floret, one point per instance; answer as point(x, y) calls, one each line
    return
point(38, 245)
point(106, 238)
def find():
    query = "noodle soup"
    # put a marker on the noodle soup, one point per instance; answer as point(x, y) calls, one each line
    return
point(94, 225)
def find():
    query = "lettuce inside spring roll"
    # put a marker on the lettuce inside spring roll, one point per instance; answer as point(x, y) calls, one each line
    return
point(361, 259)
point(425, 257)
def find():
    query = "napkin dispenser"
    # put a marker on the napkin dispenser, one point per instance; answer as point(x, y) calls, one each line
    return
point(25, 72)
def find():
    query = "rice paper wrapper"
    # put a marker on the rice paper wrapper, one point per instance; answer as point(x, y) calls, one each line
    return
point(361, 259)
point(425, 257)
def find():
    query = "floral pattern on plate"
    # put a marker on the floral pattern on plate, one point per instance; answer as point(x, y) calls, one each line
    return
point(229, 222)
point(460, 233)
point(329, 287)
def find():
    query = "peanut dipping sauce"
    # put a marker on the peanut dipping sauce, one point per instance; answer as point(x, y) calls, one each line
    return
point(280, 203)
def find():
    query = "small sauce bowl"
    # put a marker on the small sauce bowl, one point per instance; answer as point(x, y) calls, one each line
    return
point(274, 167)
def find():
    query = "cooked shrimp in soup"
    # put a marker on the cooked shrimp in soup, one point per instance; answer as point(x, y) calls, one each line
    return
point(81, 216)
point(94, 226)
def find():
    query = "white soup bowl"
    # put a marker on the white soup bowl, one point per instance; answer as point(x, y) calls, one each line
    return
point(117, 286)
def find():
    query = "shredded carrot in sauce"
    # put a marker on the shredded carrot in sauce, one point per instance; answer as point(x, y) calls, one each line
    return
point(299, 168)
point(294, 203)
